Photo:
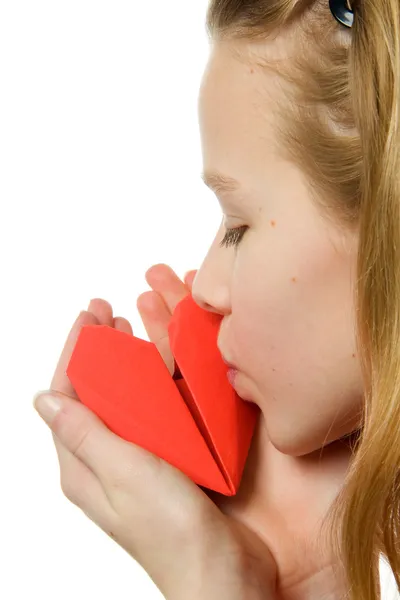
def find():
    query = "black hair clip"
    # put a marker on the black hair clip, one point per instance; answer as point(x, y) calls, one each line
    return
point(341, 11)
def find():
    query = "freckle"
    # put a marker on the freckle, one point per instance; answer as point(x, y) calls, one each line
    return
point(354, 355)
point(274, 369)
point(251, 70)
point(294, 279)
point(273, 223)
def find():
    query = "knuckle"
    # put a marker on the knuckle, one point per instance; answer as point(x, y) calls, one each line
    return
point(81, 434)
point(141, 466)
point(118, 482)
point(123, 476)
point(69, 490)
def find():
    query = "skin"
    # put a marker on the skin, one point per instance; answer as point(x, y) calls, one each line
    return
point(187, 546)
point(284, 315)
point(281, 499)
point(285, 295)
point(286, 298)
point(286, 292)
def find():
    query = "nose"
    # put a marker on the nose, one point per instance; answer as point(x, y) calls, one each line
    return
point(211, 285)
point(202, 294)
point(206, 305)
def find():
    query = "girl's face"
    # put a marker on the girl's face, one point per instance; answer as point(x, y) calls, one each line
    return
point(286, 291)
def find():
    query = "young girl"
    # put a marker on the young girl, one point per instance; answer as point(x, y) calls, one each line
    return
point(299, 120)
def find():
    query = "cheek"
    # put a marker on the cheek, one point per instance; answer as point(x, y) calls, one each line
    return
point(270, 324)
point(293, 334)
point(278, 299)
point(291, 291)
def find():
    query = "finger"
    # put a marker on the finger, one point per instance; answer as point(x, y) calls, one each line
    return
point(102, 310)
point(88, 439)
point(162, 279)
point(60, 381)
point(71, 469)
point(78, 482)
point(99, 313)
point(156, 307)
point(122, 324)
point(82, 487)
point(156, 317)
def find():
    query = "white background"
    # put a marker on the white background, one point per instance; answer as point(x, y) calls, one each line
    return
point(100, 163)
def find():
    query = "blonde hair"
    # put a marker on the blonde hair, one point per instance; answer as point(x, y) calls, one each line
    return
point(340, 124)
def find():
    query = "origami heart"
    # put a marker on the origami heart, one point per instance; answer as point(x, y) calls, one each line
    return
point(197, 423)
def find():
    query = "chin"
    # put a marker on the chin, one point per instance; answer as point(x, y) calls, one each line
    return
point(306, 447)
point(293, 447)
point(242, 391)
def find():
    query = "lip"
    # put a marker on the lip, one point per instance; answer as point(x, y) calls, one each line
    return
point(231, 374)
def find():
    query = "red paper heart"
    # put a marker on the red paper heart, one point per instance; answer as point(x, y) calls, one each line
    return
point(198, 423)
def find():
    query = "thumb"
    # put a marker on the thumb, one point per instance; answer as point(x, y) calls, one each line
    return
point(85, 436)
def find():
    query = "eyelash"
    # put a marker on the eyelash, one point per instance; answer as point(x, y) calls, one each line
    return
point(233, 237)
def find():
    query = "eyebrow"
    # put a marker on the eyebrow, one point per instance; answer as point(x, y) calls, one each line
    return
point(218, 182)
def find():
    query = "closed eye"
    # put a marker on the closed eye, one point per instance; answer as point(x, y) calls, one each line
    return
point(233, 237)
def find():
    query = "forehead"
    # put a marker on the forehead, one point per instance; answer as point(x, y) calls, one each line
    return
point(227, 87)
point(235, 110)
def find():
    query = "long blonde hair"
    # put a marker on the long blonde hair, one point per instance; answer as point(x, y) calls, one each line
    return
point(340, 124)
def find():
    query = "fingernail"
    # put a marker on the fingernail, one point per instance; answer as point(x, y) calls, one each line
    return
point(47, 406)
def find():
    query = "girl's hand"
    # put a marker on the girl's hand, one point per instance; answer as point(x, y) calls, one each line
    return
point(167, 523)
